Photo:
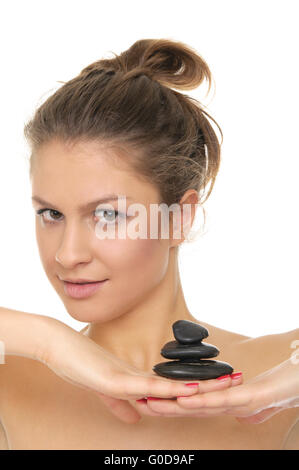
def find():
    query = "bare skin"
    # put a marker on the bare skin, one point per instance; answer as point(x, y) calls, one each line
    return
point(39, 410)
point(131, 317)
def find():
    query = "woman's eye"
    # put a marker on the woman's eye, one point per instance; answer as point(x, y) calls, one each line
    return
point(45, 211)
point(111, 214)
point(50, 216)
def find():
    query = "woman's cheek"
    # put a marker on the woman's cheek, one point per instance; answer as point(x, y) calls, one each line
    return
point(145, 259)
point(46, 248)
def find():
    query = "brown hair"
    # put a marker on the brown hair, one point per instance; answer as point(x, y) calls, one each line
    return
point(128, 101)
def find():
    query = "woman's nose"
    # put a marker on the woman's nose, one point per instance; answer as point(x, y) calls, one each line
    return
point(74, 247)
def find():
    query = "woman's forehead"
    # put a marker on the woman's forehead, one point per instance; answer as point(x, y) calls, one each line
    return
point(60, 169)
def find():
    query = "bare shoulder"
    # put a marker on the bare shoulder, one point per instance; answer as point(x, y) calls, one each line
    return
point(264, 353)
point(10, 373)
point(20, 378)
point(272, 349)
point(220, 337)
point(25, 385)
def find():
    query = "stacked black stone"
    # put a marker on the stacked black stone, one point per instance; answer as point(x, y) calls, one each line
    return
point(189, 350)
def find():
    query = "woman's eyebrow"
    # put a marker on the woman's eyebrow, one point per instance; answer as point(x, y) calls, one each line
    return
point(108, 197)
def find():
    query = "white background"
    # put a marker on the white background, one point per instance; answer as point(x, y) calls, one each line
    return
point(242, 275)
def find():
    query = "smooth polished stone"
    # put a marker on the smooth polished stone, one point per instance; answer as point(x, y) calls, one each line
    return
point(202, 370)
point(188, 332)
point(175, 350)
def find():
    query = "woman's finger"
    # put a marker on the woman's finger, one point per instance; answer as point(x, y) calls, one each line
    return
point(124, 386)
point(170, 408)
point(141, 406)
point(139, 386)
point(122, 409)
point(230, 397)
point(212, 385)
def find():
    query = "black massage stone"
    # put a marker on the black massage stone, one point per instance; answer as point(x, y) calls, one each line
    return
point(189, 350)
point(188, 332)
point(202, 370)
point(175, 350)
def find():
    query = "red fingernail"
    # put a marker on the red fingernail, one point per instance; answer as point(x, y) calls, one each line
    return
point(192, 384)
point(236, 375)
point(142, 400)
point(223, 377)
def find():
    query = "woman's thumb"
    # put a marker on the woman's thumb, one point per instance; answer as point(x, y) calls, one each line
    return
point(260, 417)
point(120, 408)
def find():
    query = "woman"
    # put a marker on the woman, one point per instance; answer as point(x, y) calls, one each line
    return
point(119, 134)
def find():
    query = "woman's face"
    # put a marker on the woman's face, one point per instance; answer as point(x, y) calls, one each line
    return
point(68, 178)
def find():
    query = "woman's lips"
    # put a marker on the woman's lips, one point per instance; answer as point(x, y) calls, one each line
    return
point(80, 291)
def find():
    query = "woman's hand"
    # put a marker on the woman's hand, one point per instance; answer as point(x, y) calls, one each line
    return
point(252, 402)
point(82, 362)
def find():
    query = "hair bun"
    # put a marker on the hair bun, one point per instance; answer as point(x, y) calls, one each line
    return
point(172, 63)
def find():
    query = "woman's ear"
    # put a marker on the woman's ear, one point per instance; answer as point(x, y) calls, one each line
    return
point(181, 220)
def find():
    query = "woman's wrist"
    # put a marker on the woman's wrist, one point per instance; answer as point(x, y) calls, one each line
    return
point(25, 334)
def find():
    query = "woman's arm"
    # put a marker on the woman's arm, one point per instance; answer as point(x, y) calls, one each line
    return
point(82, 362)
point(24, 334)
point(21, 334)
